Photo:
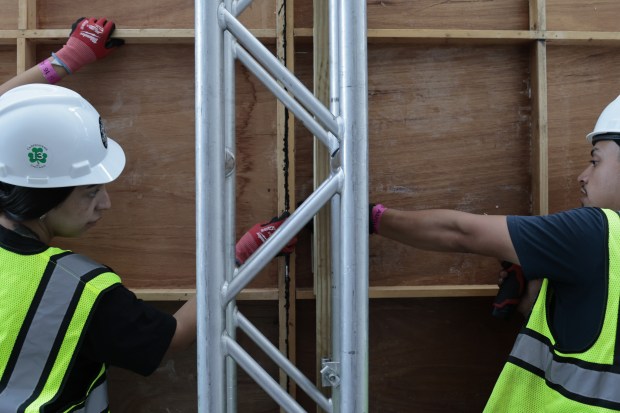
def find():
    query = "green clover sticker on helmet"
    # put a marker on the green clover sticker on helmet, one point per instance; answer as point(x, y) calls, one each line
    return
point(37, 156)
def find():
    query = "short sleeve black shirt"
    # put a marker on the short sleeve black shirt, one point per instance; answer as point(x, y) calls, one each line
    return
point(570, 249)
point(127, 332)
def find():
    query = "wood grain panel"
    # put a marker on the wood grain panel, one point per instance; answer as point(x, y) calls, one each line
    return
point(580, 86)
point(8, 54)
point(449, 128)
point(304, 175)
point(162, 14)
point(438, 355)
point(430, 14)
point(575, 15)
point(10, 15)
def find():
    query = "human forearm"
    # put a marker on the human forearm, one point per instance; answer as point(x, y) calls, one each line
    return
point(32, 75)
point(185, 333)
point(449, 231)
point(435, 230)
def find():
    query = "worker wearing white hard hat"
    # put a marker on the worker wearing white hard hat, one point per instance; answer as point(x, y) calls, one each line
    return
point(66, 318)
point(565, 358)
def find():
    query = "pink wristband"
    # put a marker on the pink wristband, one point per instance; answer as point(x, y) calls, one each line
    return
point(48, 72)
point(377, 211)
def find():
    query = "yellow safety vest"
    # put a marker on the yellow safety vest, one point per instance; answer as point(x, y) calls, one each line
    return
point(47, 299)
point(539, 378)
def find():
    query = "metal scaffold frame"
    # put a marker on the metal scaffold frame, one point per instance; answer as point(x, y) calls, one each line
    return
point(221, 40)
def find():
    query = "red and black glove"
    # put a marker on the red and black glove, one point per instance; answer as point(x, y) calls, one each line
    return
point(510, 291)
point(257, 235)
point(89, 40)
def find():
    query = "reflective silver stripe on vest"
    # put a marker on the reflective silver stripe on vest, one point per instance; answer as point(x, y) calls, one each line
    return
point(42, 333)
point(97, 400)
point(601, 385)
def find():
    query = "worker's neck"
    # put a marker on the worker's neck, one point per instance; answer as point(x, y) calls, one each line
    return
point(25, 229)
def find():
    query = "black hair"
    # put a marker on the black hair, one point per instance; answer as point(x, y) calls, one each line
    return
point(20, 204)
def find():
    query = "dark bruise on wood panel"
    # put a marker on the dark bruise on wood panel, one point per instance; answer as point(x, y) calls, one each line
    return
point(164, 14)
point(149, 234)
point(580, 86)
point(579, 15)
point(431, 14)
point(449, 127)
point(172, 387)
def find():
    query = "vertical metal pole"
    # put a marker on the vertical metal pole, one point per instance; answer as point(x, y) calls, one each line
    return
point(215, 130)
point(230, 136)
point(210, 236)
point(336, 233)
point(354, 208)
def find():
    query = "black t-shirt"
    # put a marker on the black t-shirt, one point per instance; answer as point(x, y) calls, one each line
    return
point(124, 332)
point(127, 332)
point(570, 249)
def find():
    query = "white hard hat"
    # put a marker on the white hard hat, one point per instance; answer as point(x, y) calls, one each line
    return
point(51, 137)
point(608, 123)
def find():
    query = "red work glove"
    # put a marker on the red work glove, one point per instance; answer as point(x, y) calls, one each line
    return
point(89, 40)
point(257, 235)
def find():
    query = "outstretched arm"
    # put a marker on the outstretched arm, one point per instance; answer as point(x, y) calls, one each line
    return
point(447, 230)
point(89, 40)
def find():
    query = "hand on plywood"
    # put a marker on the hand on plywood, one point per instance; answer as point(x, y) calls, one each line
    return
point(90, 39)
point(258, 235)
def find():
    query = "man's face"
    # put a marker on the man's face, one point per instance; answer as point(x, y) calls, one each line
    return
point(600, 181)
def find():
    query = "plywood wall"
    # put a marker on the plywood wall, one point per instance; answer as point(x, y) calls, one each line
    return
point(481, 106)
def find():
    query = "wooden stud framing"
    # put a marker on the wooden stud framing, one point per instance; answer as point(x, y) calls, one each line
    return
point(413, 36)
point(25, 47)
point(27, 36)
point(540, 166)
point(285, 46)
point(321, 242)
point(272, 294)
